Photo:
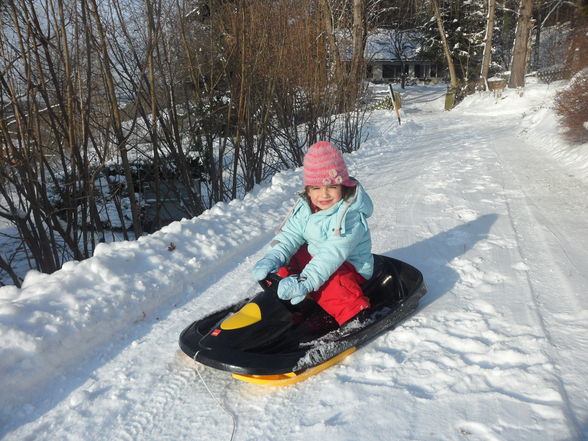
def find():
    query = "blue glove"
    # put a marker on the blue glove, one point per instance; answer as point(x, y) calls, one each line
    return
point(293, 289)
point(269, 264)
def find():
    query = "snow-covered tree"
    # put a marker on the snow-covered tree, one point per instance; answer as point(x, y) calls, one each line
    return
point(464, 25)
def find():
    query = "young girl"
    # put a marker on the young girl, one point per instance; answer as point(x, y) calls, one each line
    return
point(323, 249)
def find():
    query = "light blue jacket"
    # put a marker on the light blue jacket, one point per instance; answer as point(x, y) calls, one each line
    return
point(333, 236)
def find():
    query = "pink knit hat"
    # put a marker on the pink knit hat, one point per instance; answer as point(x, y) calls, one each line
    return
point(324, 165)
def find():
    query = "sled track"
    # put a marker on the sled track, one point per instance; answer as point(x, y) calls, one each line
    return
point(151, 420)
point(144, 422)
point(528, 246)
point(480, 154)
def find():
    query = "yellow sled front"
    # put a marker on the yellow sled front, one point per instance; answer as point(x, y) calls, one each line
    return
point(292, 377)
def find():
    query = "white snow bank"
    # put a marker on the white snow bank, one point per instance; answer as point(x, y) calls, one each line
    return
point(54, 319)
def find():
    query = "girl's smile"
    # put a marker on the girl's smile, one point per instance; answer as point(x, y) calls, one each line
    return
point(325, 196)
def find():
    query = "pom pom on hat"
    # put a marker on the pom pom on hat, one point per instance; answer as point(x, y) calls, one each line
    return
point(324, 165)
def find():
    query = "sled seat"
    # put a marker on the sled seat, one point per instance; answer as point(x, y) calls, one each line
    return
point(389, 283)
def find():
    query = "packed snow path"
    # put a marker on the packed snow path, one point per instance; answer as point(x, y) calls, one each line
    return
point(497, 351)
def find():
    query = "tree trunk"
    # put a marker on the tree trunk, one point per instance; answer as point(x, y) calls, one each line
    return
point(536, 60)
point(359, 33)
point(487, 56)
point(450, 65)
point(518, 67)
point(331, 39)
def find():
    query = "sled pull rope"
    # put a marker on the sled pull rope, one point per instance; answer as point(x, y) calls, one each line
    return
point(224, 408)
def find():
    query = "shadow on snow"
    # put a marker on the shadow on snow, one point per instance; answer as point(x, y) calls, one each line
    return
point(433, 255)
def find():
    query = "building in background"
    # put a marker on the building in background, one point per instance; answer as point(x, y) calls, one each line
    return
point(393, 55)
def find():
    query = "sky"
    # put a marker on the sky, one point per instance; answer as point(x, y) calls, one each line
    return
point(487, 200)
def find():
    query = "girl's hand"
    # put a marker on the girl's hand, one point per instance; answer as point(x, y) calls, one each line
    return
point(269, 264)
point(293, 289)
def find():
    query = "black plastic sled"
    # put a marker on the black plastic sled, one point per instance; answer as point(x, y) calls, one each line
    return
point(270, 341)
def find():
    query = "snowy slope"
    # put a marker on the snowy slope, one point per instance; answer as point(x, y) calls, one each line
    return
point(486, 200)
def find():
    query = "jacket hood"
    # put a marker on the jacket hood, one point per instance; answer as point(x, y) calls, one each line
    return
point(359, 202)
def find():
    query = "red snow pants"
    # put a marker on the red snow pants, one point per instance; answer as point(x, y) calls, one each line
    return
point(340, 296)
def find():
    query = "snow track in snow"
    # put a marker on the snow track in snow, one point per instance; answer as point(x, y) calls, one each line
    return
point(555, 283)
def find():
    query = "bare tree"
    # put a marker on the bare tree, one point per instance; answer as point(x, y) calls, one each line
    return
point(487, 55)
point(116, 118)
point(446, 50)
point(333, 46)
point(359, 33)
point(401, 42)
point(43, 128)
point(518, 67)
point(98, 102)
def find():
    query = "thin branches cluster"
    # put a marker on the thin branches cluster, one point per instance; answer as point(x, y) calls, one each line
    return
point(119, 116)
point(109, 109)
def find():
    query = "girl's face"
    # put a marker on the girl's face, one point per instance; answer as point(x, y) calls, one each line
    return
point(325, 196)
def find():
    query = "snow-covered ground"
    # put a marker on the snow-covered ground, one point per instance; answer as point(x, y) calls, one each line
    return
point(486, 200)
